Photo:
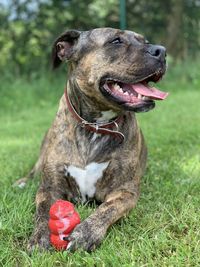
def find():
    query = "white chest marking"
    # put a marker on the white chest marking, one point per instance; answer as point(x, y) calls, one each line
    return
point(107, 115)
point(86, 178)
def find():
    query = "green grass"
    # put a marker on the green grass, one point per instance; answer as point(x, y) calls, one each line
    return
point(163, 230)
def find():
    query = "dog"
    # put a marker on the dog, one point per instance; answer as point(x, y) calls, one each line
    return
point(94, 149)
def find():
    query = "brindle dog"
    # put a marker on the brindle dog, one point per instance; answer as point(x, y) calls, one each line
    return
point(94, 148)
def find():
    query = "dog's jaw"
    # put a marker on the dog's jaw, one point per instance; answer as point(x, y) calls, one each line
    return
point(135, 96)
point(93, 108)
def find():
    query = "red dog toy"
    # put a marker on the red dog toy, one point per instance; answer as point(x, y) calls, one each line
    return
point(63, 219)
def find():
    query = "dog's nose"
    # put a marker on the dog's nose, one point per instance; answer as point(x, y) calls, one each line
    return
point(157, 51)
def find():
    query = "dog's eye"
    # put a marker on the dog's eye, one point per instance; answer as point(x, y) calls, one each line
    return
point(116, 41)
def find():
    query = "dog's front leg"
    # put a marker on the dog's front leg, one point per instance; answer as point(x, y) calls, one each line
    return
point(89, 234)
point(46, 195)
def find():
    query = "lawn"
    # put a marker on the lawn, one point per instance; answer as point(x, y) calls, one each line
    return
point(163, 229)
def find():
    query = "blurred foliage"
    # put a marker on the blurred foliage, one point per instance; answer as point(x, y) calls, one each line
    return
point(28, 27)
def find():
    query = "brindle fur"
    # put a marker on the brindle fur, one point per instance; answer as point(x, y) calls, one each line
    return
point(91, 57)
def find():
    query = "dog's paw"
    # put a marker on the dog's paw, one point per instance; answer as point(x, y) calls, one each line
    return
point(86, 236)
point(39, 241)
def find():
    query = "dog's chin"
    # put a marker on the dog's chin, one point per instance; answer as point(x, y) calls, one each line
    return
point(137, 97)
point(143, 107)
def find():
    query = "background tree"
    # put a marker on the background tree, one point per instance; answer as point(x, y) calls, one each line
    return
point(28, 27)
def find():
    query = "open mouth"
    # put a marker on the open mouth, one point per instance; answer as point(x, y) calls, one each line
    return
point(134, 95)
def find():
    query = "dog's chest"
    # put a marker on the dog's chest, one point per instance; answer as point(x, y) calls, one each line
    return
point(86, 178)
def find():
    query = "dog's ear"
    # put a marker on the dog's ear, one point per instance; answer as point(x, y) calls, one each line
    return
point(63, 47)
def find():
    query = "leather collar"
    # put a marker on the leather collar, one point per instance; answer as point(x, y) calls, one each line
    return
point(110, 128)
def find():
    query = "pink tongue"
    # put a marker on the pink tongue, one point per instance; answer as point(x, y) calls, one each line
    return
point(151, 92)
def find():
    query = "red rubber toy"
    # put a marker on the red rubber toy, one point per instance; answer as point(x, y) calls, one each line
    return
point(63, 219)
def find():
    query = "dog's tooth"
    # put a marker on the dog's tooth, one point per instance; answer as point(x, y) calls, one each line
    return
point(116, 86)
point(120, 89)
point(126, 93)
point(139, 96)
point(143, 97)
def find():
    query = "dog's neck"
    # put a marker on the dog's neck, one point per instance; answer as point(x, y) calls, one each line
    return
point(86, 107)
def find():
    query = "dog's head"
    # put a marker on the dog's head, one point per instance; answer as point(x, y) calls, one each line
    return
point(113, 67)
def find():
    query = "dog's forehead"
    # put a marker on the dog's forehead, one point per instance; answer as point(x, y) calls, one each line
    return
point(134, 34)
point(100, 35)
